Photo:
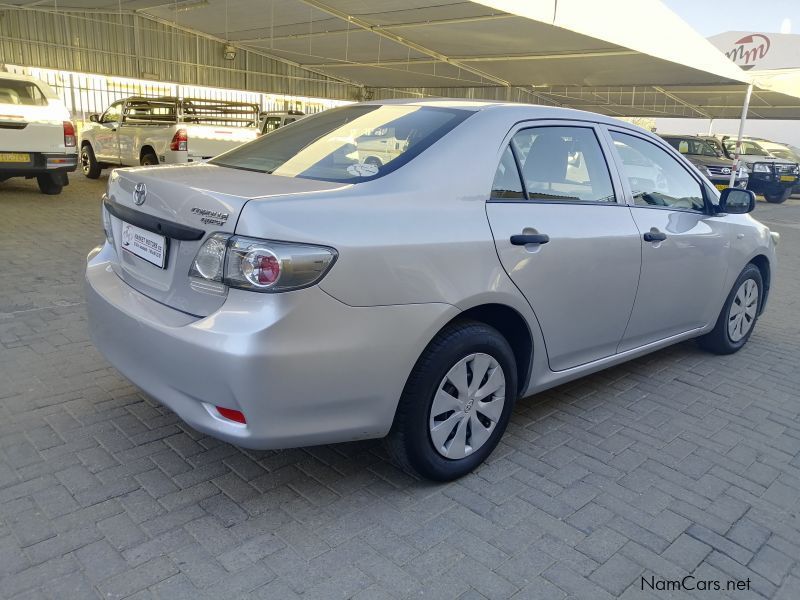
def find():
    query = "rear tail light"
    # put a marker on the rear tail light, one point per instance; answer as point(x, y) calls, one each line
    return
point(69, 134)
point(261, 265)
point(231, 414)
point(180, 141)
point(106, 217)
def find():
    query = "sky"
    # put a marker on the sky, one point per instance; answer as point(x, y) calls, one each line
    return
point(710, 17)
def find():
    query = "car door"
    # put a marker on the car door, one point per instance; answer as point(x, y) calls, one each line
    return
point(106, 146)
point(683, 245)
point(566, 238)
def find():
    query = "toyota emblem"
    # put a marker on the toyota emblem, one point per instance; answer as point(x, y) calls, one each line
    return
point(139, 194)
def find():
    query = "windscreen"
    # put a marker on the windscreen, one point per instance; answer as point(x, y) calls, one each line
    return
point(21, 92)
point(692, 146)
point(348, 144)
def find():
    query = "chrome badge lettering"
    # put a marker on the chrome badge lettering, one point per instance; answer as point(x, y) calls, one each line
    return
point(211, 217)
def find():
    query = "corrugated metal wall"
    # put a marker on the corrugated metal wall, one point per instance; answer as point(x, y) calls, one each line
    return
point(129, 45)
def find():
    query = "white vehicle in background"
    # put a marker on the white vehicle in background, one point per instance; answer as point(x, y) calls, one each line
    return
point(274, 119)
point(37, 138)
point(166, 130)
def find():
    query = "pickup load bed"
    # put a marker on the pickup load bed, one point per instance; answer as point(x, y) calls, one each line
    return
point(165, 130)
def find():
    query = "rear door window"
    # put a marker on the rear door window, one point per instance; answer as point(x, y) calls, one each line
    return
point(563, 164)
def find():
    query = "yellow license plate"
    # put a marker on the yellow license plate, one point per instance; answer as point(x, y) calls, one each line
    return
point(788, 177)
point(720, 186)
point(15, 157)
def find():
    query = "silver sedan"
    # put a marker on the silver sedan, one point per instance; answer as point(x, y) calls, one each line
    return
point(409, 269)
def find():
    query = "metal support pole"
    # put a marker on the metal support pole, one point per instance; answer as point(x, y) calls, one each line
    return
point(710, 126)
point(742, 121)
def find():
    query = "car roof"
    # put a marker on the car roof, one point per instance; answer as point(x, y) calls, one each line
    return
point(518, 109)
point(16, 77)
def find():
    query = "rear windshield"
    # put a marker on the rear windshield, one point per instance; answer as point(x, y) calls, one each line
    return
point(348, 144)
point(21, 92)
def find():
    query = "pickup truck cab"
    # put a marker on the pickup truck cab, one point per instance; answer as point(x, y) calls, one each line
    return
point(272, 120)
point(166, 130)
point(37, 138)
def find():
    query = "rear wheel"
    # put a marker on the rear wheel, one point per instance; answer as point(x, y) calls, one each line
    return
point(50, 183)
point(148, 159)
point(89, 165)
point(778, 197)
point(738, 316)
point(456, 403)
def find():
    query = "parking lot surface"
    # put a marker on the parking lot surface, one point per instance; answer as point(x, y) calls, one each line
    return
point(677, 463)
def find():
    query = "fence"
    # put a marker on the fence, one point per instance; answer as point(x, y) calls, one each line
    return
point(84, 94)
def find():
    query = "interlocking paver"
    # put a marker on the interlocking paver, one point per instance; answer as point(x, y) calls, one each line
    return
point(679, 462)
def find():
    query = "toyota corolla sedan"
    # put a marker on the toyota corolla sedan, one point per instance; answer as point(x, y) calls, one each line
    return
point(293, 292)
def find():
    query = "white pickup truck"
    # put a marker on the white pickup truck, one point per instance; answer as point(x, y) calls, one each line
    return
point(37, 138)
point(165, 130)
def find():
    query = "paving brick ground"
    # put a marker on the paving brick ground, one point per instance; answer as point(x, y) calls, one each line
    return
point(678, 463)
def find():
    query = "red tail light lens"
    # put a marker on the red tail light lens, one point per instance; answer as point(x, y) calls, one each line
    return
point(232, 415)
point(261, 267)
point(180, 141)
point(69, 134)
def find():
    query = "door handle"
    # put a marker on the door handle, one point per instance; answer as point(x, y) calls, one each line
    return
point(523, 239)
point(654, 236)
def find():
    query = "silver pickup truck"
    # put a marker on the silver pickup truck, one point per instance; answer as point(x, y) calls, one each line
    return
point(166, 130)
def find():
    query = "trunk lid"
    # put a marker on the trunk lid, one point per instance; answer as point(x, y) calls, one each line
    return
point(202, 197)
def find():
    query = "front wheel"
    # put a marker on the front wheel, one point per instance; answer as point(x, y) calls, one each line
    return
point(778, 197)
point(50, 183)
point(738, 316)
point(456, 403)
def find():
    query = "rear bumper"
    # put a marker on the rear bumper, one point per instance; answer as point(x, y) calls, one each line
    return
point(303, 367)
point(41, 163)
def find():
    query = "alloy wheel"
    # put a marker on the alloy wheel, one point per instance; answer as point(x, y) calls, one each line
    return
point(744, 308)
point(468, 403)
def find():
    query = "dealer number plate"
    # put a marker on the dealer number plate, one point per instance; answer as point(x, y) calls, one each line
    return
point(788, 177)
point(15, 157)
point(144, 244)
point(721, 186)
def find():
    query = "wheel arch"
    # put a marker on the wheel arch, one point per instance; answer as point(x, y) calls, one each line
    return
point(147, 149)
point(512, 326)
point(762, 264)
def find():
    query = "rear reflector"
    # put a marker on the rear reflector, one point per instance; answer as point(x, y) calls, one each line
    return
point(233, 415)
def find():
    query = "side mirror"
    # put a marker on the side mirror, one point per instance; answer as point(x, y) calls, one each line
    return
point(737, 201)
point(94, 118)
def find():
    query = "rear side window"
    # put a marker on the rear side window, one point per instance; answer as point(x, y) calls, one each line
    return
point(348, 144)
point(507, 183)
point(25, 93)
point(656, 178)
point(563, 164)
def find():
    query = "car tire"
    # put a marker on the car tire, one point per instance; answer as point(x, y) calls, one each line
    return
point(742, 306)
point(148, 159)
point(778, 197)
point(89, 165)
point(417, 431)
point(50, 183)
